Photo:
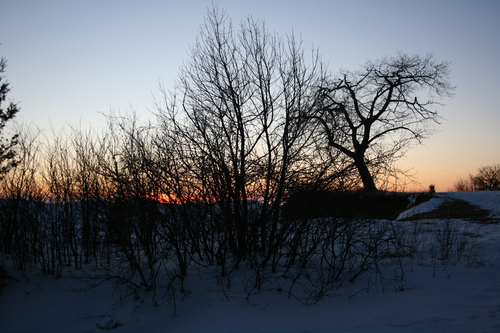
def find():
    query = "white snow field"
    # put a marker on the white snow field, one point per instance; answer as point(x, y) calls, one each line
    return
point(455, 298)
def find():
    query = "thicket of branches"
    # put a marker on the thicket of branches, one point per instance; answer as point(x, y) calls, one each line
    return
point(124, 206)
point(203, 187)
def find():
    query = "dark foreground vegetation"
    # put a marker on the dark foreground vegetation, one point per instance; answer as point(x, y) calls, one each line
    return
point(148, 248)
point(350, 204)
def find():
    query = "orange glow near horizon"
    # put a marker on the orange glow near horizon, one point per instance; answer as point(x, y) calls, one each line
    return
point(164, 198)
point(75, 195)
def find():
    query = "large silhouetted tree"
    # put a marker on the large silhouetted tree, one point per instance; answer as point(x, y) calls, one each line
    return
point(243, 93)
point(7, 153)
point(374, 114)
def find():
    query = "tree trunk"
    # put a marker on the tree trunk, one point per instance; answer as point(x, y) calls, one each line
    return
point(364, 173)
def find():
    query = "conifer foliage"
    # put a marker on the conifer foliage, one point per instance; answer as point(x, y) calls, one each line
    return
point(7, 152)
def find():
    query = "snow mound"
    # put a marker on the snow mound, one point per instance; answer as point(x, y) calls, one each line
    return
point(488, 200)
point(427, 206)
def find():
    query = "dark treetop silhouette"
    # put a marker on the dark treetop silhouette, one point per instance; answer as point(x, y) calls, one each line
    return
point(374, 114)
point(7, 152)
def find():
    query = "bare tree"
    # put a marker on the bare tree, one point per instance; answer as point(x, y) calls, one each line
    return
point(487, 178)
point(463, 184)
point(239, 128)
point(373, 115)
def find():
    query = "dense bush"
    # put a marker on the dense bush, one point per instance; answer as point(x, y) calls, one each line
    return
point(350, 204)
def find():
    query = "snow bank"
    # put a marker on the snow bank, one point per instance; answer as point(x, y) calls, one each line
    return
point(489, 200)
point(427, 206)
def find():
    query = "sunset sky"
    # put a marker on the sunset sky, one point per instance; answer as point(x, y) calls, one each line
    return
point(71, 61)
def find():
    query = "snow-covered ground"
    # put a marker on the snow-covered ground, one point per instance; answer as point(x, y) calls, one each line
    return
point(489, 200)
point(455, 299)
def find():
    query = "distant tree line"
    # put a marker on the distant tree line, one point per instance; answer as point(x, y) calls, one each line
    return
point(487, 178)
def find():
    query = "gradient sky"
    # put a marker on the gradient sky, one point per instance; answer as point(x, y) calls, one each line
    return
point(70, 61)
